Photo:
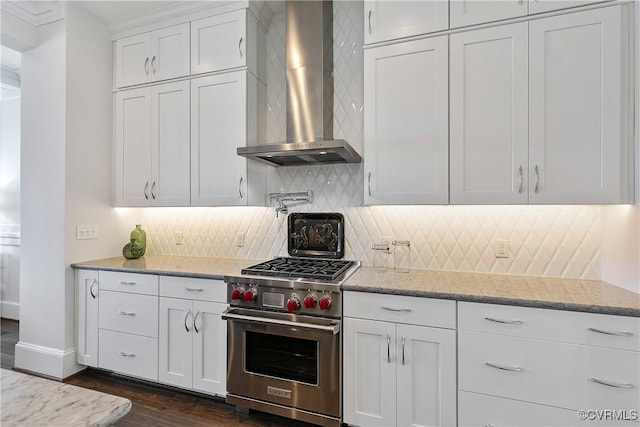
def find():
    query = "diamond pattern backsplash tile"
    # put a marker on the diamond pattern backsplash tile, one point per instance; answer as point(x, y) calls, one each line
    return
point(558, 241)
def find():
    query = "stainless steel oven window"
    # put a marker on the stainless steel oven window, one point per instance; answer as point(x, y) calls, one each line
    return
point(282, 357)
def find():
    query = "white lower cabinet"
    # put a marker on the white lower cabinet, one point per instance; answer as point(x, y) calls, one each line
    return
point(396, 373)
point(521, 366)
point(159, 328)
point(128, 324)
point(193, 337)
point(87, 288)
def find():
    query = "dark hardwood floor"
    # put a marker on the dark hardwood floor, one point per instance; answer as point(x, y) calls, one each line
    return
point(155, 405)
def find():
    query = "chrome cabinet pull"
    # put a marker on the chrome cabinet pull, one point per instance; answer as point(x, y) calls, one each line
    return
point(195, 319)
point(153, 65)
point(504, 322)
point(369, 183)
point(504, 368)
point(403, 350)
point(126, 313)
point(537, 171)
point(405, 310)
point(193, 289)
point(146, 66)
point(240, 47)
point(122, 353)
point(186, 316)
point(618, 334)
point(93, 283)
point(609, 383)
point(240, 187)
point(370, 21)
point(146, 187)
point(521, 188)
point(388, 348)
point(122, 282)
point(153, 194)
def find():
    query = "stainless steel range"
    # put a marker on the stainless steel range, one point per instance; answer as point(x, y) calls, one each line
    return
point(283, 325)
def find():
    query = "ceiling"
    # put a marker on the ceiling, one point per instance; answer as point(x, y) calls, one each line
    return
point(116, 10)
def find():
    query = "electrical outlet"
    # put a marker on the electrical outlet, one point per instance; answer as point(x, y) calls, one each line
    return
point(240, 238)
point(179, 238)
point(89, 231)
point(502, 248)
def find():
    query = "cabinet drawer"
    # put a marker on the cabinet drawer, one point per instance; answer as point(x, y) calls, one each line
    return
point(548, 372)
point(555, 325)
point(401, 309)
point(129, 282)
point(131, 313)
point(195, 289)
point(129, 354)
point(482, 410)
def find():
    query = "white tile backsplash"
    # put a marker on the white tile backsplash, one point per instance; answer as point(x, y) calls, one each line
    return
point(560, 241)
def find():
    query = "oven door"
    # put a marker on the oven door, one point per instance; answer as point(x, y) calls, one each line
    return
point(284, 359)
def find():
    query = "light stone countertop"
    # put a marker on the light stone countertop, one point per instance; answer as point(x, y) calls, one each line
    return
point(28, 400)
point(171, 265)
point(592, 296)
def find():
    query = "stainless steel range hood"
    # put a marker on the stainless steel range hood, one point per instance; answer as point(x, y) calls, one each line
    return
point(309, 52)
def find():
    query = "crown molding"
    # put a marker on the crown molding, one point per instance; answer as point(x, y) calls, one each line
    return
point(35, 12)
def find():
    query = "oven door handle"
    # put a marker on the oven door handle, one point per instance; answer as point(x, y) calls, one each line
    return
point(334, 328)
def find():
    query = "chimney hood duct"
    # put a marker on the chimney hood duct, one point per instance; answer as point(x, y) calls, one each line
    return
point(309, 109)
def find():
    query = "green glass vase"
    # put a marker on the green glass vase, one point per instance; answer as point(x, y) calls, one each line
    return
point(132, 250)
point(139, 236)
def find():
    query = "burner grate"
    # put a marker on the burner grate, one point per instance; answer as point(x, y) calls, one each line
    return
point(304, 268)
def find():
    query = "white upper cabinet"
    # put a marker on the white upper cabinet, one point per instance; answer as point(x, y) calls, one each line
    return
point(489, 104)
point(406, 123)
point(152, 159)
point(577, 90)
point(389, 20)
point(220, 123)
point(472, 12)
point(226, 41)
point(152, 56)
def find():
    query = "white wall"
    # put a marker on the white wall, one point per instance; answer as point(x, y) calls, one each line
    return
point(42, 270)
point(66, 180)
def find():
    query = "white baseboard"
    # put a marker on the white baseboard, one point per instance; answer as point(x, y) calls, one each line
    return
point(10, 310)
point(46, 361)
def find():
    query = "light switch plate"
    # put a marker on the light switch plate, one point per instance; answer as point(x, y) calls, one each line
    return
point(87, 231)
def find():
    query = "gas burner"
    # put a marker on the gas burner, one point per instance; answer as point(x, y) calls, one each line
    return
point(303, 268)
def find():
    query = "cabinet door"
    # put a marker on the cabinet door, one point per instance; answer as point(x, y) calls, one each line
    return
point(539, 6)
point(470, 12)
point(489, 114)
point(209, 348)
point(175, 346)
point(170, 156)
point(575, 113)
point(388, 20)
point(87, 286)
point(219, 42)
point(133, 60)
point(369, 379)
point(170, 49)
point(132, 148)
point(426, 376)
point(406, 123)
point(218, 127)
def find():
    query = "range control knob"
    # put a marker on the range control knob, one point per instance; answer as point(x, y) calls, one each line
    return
point(293, 303)
point(325, 302)
point(310, 301)
point(237, 293)
point(250, 295)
